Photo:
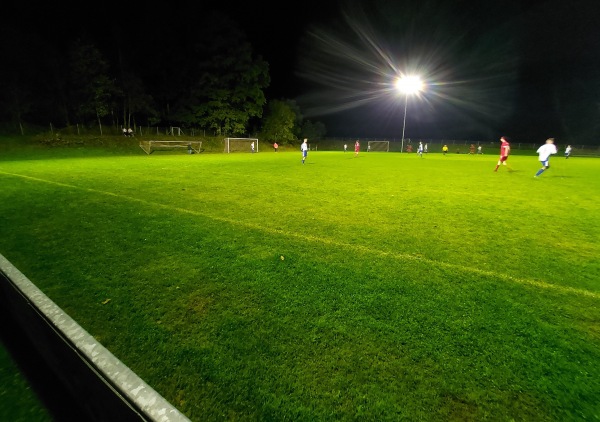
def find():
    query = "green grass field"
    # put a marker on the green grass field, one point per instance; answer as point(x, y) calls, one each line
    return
point(383, 287)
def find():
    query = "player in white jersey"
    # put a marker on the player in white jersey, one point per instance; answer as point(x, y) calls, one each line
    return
point(544, 152)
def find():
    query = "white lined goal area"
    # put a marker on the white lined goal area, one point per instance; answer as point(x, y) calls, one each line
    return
point(240, 144)
point(190, 146)
point(382, 146)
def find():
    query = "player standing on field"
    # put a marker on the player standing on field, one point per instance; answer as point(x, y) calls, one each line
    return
point(568, 151)
point(304, 149)
point(356, 148)
point(545, 151)
point(420, 149)
point(504, 151)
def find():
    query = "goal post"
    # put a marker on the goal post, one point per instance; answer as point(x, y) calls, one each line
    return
point(241, 145)
point(150, 146)
point(382, 146)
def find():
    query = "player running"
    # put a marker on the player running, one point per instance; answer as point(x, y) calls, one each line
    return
point(544, 152)
point(504, 152)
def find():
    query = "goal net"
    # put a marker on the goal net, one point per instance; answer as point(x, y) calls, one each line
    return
point(190, 146)
point(241, 145)
point(379, 146)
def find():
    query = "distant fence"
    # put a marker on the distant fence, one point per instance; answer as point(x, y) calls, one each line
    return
point(324, 144)
point(136, 131)
point(435, 145)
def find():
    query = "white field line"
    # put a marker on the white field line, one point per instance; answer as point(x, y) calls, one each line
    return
point(329, 242)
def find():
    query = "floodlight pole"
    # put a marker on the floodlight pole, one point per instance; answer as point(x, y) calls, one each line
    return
point(404, 122)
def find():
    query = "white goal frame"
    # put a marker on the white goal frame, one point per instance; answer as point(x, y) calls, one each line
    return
point(175, 130)
point(152, 145)
point(228, 143)
point(383, 146)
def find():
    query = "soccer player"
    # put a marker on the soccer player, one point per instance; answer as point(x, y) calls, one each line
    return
point(568, 151)
point(445, 149)
point(420, 149)
point(356, 148)
point(252, 146)
point(504, 151)
point(345, 147)
point(472, 149)
point(304, 149)
point(545, 151)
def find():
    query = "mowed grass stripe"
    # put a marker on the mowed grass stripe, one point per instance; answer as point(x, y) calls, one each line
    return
point(326, 241)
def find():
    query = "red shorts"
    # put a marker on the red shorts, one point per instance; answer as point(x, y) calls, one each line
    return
point(504, 158)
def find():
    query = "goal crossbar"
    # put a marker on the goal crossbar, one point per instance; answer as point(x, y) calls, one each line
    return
point(150, 146)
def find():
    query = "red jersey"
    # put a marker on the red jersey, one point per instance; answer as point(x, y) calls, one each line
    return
point(504, 149)
point(356, 147)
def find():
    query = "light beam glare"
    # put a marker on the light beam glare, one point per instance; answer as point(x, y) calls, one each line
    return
point(357, 66)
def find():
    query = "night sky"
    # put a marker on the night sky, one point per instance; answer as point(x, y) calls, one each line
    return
point(525, 69)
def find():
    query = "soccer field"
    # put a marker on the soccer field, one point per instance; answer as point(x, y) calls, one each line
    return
point(378, 287)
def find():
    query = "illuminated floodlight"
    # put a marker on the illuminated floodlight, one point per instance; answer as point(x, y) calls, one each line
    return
point(408, 85)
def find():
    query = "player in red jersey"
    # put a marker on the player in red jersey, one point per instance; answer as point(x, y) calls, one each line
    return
point(356, 148)
point(504, 152)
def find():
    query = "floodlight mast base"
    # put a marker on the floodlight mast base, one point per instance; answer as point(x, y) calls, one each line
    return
point(404, 121)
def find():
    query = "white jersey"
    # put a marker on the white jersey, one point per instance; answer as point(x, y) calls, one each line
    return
point(304, 146)
point(545, 151)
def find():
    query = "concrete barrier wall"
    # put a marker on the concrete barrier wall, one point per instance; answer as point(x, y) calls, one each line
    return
point(104, 388)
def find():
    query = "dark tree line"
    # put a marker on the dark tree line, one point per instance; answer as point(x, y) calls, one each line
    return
point(205, 76)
